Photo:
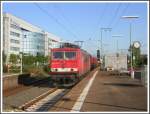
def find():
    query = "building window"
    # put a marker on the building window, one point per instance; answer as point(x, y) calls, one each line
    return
point(14, 41)
point(14, 34)
point(14, 48)
point(14, 26)
point(25, 36)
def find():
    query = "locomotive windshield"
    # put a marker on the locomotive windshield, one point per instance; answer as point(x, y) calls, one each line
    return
point(70, 55)
point(64, 55)
point(58, 55)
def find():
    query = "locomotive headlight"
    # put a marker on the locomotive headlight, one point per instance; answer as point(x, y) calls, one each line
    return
point(54, 69)
point(64, 69)
point(73, 69)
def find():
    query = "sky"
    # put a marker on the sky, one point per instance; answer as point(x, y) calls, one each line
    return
point(83, 22)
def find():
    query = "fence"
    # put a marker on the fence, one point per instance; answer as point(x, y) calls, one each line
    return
point(144, 76)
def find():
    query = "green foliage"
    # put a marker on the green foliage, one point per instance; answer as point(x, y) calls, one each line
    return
point(14, 58)
point(41, 59)
point(28, 59)
point(35, 71)
point(144, 59)
point(4, 58)
point(14, 69)
point(137, 57)
point(30, 64)
point(46, 68)
point(26, 68)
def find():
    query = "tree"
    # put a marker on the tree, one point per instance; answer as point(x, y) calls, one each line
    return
point(31, 62)
point(13, 58)
point(46, 59)
point(28, 59)
point(136, 56)
point(143, 59)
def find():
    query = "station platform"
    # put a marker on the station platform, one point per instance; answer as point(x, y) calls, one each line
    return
point(106, 93)
point(115, 93)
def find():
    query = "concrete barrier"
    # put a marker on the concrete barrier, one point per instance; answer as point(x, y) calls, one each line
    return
point(10, 82)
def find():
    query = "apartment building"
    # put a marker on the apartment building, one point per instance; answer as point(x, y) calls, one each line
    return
point(21, 36)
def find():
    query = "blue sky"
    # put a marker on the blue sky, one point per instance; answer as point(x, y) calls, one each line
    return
point(82, 21)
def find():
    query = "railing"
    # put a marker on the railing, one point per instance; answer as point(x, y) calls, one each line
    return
point(144, 76)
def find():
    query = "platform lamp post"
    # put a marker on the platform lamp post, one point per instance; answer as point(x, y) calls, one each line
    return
point(130, 31)
point(103, 29)
point(117, 36)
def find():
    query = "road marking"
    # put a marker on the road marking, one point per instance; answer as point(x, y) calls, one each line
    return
point(77, 106)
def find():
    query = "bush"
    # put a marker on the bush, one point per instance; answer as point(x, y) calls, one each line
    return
point(35, 71)
point(14, 69)
point(46, 68)
point(30, 69)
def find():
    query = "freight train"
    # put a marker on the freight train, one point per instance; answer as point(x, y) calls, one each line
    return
point(69, 64)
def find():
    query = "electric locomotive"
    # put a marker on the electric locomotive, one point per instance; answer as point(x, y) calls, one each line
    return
point(68, 64)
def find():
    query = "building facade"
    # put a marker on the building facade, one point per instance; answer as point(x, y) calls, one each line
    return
point(33, 43)
point(21, 36)
point(51, 41)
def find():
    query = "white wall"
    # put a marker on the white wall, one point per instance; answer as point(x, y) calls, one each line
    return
point(111, 61)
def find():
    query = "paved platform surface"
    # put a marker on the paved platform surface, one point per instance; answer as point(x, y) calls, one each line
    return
point(107, 93)
point(115, 93)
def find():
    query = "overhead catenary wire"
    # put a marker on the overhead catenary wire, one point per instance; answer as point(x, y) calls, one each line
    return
point(115, 15)
point(57, 7)
point(56, 20)
point(99, 21)
point(115, 25)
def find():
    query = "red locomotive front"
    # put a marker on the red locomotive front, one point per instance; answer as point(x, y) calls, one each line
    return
point(64, 60)
point(64, 65)
point(68, 65)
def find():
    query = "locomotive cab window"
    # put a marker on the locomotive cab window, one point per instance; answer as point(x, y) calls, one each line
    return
point(58, 55)
point(70, 55)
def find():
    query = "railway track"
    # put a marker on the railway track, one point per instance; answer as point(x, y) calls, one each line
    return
point(45, 101)
point(36, 99)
